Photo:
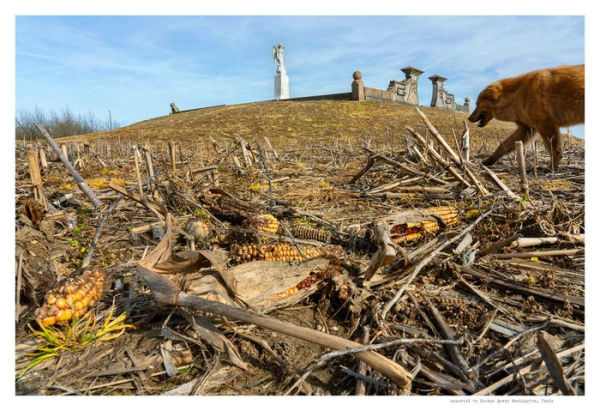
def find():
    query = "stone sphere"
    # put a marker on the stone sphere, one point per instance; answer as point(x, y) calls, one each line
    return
point(357, 75)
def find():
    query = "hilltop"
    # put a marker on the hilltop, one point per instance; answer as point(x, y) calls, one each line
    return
point(290, 122)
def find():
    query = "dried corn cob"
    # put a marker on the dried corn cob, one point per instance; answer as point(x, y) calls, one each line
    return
point(310, 233)
point(264, 223)
point(313, 277)
point(73, 298)
point(403, 233)
point(280, 251)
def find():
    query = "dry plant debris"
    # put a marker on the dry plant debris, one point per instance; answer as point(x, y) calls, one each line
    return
point(426, 263)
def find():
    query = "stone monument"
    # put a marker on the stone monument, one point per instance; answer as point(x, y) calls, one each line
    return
point(282, 81)
point(441, 98)
point(406, 90)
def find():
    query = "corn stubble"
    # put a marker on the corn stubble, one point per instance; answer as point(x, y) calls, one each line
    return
point(75, 334)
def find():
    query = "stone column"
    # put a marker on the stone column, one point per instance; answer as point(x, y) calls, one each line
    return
point(468, 104)
point(412, 78)
point(282, 86)
point(358, 87)
point(437, 97)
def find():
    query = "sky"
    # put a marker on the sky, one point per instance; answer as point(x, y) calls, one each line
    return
point(135, 66)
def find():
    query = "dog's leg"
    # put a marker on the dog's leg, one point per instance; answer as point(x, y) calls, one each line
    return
point(553, 142)
point(522, 133)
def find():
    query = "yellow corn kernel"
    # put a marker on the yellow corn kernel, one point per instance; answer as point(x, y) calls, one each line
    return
point(65, 315)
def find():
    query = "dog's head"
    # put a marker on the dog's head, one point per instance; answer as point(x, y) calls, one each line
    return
point(486, 102)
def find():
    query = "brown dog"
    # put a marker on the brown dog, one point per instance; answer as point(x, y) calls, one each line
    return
point(541, 101)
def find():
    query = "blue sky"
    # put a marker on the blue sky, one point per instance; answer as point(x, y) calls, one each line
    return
point(135, 66)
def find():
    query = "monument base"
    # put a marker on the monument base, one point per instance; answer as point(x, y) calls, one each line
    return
point(282, 86)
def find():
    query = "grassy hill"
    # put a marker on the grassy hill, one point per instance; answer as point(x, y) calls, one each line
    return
point(302, 122)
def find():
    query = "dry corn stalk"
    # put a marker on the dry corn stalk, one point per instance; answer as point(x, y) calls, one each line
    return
point(412, 230)
point(227, 206)
point(71, 299)
point(262, 285)
point(264, 223)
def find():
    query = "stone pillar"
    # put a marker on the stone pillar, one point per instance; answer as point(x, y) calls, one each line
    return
point(358, 87)
point(437, 97)
point(412, 78)
point(405, 91)
point(468, 104)
point(282, 86)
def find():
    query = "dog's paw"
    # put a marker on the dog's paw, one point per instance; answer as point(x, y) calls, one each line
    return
point(488, 162)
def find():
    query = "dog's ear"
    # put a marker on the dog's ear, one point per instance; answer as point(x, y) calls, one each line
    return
point(493, 91)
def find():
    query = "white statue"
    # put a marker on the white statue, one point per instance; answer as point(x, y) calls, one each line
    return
point(278, 56)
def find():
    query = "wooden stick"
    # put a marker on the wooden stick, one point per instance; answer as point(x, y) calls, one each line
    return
point(437, 157)
point(447, 333)
point(237, 165)
point(535, 158)
point(386, 250)
point(439, 137)
point(172, 155)
point(63, 149)
point(491, 279)
point(551, 253)
point(166, 293)
point(499, 244)
point(418, 153)
point(361, 388)
point(523, 170)
point(136, 160)
point(475, 180)
point(465, 142)
point(268, 143)
point(148, 156)
point(533, 242)
point(42, 155)
point(500, 183)
point(204, 169)
point(19, 282)
point(79, 161)
point(457, 147)
point(493, 387)
point(370, 163)
point(263, 158)
point(105, 214)
point(245, 153)
point(405, 167)
point(80, 181)
point(553, 365)
point(35, 175)
point(135, 197)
